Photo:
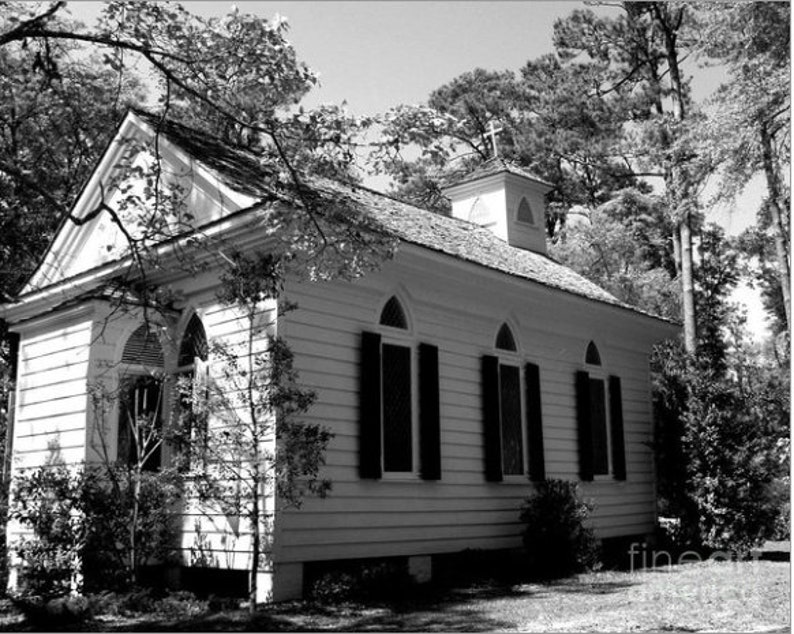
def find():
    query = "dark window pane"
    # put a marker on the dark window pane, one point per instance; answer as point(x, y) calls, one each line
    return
point(397, 445)
point(592, 356)
point(194, 343)
point(393, 315)
point(505, 340)
point(140, 408)
point(599, 426)
point(512, 445)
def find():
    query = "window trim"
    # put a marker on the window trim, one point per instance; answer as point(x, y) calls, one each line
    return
point(178, 370)
point(515, 359)
point(406, 338)
point(600, 373)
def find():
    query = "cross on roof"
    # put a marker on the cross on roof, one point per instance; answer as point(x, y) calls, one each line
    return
point(492, 132)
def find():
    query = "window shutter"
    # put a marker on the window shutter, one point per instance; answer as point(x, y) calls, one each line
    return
point(491, 418)
point(616, 427)
point(429, 416)
point(537, 466)
point(584, 425)
point(369, 407)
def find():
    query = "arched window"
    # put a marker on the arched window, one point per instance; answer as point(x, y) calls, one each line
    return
point(592, 356)
point(192, 368)
point(194, 343)
point(602, 450)
point(140, 399)
point(510, 406)
point(505, 339)
point(525, 212)
point(393, 315)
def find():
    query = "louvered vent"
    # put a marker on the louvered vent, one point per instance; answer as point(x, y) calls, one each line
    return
point(143, 348)
point(525, 212)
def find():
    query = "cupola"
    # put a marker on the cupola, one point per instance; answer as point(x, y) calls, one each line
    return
point(505, 199)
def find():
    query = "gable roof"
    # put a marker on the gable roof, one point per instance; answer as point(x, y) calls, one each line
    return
point(244, 173)
point(496, 165)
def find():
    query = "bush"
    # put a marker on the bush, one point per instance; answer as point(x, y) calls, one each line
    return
point(556, 540)
point(145, 601)
point(722, 451)
point(111, 559)
point(55, 613)
point(48, 502)
point(80, 521)
point(372, 580)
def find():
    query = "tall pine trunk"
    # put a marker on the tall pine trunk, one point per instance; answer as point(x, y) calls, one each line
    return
point(668, 20)
point(778, 226)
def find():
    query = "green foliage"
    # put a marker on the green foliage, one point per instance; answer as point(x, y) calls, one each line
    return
point(361, 582)
point(721, 450)
point(623, 246)
point(111, 514)
point(81, 519)
point(47, 501)
point(52, 132)
point(556, 540)
point(138, 601)
point(716, 278)
point(55, 613)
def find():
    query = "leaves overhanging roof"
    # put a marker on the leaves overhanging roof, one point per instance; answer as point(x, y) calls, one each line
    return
point(463, 240)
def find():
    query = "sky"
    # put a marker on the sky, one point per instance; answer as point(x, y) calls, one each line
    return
point(378, 54)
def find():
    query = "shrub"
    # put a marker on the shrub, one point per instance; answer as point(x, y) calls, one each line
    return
point(54, 613)
point(556, 541)
point(370, 580)
point(111, 556)
point(47, 501)
point(80, 520)
point(722, 450)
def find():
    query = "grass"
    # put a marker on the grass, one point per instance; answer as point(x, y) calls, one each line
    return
point(747, 596)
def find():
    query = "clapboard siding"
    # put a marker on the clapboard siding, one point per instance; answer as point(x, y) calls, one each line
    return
point(460, 315)
point(52, 390)
point(208, 537)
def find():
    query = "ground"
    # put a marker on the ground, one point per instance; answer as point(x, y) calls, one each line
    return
point(750, 596)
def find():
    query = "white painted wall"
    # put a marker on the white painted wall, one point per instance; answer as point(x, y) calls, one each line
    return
point(459, 307)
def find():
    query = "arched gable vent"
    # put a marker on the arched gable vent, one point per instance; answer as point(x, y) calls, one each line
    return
point(143, 348)
point(505, 339)
point(194, 343)
point(393, 315)
point(592, 356)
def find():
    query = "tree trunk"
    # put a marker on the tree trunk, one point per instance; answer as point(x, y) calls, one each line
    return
point(677, 187)
point(255, 548)
point(778, 226)
point(687, 286)
point(136, 502)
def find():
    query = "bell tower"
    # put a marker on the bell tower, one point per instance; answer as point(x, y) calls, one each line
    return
point(505, 199)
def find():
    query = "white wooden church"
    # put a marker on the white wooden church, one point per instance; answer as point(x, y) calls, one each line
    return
point(466, 367)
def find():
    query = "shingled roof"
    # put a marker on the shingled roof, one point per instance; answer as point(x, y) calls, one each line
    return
point(243, 172)
point(496, 165)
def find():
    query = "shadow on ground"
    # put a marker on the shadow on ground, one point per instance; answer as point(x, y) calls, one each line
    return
point(431, 609)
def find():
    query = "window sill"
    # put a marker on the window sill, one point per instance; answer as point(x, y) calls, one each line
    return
point(607, 477)
point(516, 479)
point(399, 476)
